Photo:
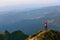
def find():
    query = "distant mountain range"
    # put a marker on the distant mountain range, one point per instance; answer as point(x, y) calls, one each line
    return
point(31, 21)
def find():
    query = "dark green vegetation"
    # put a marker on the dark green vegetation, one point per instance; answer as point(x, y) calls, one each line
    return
point(41, 35)
point(45, 35)
point(16, 35)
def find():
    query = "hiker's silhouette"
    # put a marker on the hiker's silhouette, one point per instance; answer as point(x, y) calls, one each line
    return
point(45, 25)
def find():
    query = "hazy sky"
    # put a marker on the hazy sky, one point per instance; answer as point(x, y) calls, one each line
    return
point(7, 3)
point(15, 2)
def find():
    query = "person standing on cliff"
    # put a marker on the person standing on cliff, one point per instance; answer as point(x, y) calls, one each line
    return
point(45, 25)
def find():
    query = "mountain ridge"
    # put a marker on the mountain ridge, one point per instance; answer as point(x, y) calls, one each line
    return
point(45, 35)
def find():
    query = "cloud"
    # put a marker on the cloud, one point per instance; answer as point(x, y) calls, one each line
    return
point(15, 2)
point(51, 21)
point(39, 17)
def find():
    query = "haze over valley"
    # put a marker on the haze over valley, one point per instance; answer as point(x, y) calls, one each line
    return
point(31, 20)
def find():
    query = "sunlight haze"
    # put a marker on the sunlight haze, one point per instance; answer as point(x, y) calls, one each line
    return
point(16, 2)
